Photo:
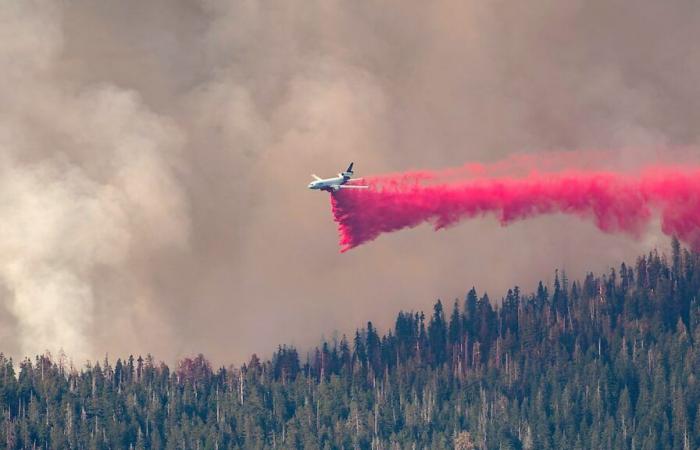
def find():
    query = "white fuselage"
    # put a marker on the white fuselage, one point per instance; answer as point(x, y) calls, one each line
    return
point(329, 184)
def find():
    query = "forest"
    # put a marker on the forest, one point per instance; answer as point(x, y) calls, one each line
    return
point(606, 362)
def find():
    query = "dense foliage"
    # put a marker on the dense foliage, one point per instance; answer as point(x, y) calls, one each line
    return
point(609, 362)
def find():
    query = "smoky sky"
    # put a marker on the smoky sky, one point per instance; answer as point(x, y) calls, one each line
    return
point(154, 157)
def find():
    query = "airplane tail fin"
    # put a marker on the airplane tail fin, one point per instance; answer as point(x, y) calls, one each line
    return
point(348, 172)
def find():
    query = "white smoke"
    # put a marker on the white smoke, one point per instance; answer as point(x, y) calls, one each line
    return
point(86, 183)
point(154, 156)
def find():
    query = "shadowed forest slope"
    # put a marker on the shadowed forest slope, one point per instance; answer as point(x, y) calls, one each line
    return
point(607, 362)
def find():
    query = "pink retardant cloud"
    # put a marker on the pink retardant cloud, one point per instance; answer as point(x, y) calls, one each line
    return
point(615, 202)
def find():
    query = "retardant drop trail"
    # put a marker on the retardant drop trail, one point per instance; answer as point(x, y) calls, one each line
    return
point(616, 202)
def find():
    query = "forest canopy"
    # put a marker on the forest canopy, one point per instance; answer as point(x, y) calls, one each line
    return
point(609, 361)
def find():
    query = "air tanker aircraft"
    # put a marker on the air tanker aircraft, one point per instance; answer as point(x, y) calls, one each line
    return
point(333, 184)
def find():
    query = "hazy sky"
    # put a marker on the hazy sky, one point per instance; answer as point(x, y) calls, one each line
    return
point(154, 157)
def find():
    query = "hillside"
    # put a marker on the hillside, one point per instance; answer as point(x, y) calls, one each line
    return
point(606, 362)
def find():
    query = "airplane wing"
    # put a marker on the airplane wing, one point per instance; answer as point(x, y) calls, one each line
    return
point(352, 186)
point(316, 177)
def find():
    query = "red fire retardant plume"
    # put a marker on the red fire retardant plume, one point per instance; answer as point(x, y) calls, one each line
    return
point(615, 202)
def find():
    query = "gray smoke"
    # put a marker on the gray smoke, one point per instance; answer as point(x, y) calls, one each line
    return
point(154, 156)
point(87, 188)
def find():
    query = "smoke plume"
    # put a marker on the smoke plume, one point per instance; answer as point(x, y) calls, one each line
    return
point(87, 188)
point(615, 202)
point(154, 157)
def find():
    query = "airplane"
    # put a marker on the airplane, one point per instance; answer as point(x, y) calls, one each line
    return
point(334, 184)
